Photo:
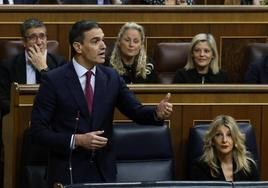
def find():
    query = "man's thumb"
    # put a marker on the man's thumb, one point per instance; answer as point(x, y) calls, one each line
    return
point(167, 97)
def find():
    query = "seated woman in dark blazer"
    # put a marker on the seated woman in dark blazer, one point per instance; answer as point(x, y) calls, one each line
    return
point(225, 157)
point(129, 56)
point(202, 64)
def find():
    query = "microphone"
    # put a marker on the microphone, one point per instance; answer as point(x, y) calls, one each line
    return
point(72, 146)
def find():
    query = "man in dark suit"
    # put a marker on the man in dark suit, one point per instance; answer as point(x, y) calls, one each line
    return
point(75, 122)
point(27, 67)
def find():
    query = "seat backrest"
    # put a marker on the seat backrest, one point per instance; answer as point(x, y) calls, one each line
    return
point(169, 57)
point(34, 159)
point(143, 152)
point(196, 141)
point(257, 184)
point(10, 48)
point(163, 184)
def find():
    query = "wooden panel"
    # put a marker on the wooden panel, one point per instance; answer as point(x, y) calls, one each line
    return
point(153, 41)
point(191, 103)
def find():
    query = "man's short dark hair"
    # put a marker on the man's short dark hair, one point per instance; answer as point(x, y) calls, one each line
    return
point(30, 23)
point(77, 31)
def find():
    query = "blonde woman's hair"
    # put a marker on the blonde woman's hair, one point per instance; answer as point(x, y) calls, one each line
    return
point(240, 155)
point(204, 37)
point(116, 60)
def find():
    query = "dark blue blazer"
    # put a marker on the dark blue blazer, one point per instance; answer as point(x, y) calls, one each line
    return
point(14, 70)
point(257, 72)
point(26, 1)
point(55, 109)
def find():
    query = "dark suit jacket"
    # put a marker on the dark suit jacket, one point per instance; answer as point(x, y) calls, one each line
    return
point(200, 171)
point(55, 109)
point(93, 2)
point(257, 72)
point(191, 76)
point(26, 1)
point(14, 70)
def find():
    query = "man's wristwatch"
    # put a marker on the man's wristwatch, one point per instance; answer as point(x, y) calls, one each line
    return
point(44, 70)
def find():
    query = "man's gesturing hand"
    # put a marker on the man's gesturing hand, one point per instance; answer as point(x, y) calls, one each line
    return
point(164, 108)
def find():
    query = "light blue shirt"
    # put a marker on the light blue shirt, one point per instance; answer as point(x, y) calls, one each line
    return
point(30, 70)
point(100, 2)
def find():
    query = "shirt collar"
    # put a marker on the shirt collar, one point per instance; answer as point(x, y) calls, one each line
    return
point(80, 70)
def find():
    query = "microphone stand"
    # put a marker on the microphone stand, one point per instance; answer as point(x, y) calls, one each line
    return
point(72, 146)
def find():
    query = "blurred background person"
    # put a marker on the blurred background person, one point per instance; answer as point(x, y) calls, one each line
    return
point(257, 72)
point(168, 2)
point(92, 2)
point(225, 157)
point(11, 2)
point(260, 2)
point(244, 2)
point(203, 63)
point(129, 56)
point(27, 67)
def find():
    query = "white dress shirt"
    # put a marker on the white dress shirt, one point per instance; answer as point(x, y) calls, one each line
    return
point(11, 2)
point(81, 73)
point(100, 2)
point(30, 70)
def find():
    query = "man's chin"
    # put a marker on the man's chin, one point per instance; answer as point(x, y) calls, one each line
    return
point(101, 61)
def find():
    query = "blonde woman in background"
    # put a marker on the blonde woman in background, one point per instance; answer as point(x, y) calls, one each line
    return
point(225, 157)
point(202, 63)
point(129, 56)
point(245, 2)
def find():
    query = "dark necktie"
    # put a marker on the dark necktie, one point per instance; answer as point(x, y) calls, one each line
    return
point(89, 91)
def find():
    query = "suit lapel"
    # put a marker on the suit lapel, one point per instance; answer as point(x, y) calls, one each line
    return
point(20, 69)
point(76, 90)
point(51, 63)
point(106, 2)
point(99, 95)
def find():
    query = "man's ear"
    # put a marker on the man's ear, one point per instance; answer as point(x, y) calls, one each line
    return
point(78, 47)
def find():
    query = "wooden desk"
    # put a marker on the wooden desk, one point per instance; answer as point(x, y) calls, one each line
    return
point(191, 103)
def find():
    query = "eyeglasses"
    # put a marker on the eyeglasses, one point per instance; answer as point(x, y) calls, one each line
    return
point(34, 37)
